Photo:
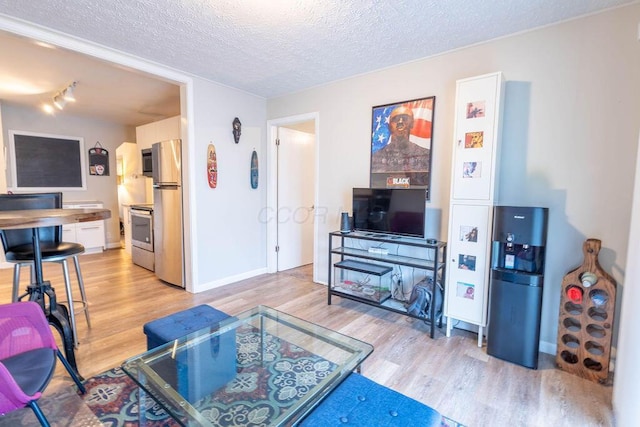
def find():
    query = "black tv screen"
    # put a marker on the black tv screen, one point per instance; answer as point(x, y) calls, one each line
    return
point(390, 210)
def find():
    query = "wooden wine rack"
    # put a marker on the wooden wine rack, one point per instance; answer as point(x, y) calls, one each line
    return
point(586, 318)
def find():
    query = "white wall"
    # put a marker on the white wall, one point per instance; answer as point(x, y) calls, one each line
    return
point(3, 176)
point(627, 386)
point(110, 135)
point(229, 238)
point(569, 140)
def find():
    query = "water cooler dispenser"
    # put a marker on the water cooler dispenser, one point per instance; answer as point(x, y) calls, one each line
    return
point(517, 276)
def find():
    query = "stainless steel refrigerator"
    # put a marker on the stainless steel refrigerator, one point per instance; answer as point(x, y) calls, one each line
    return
point(167, 211)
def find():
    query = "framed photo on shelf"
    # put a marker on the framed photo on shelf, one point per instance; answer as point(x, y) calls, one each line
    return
point(468, 233)
point(465, 290)
point(476, 109)
point(475, 151)
point(401, 144)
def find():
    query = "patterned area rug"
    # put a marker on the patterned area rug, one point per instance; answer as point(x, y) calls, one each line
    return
point(245, 400)
point(112, 398)
point(111, 401)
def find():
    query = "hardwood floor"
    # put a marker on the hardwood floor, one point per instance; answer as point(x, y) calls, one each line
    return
point(451, 375)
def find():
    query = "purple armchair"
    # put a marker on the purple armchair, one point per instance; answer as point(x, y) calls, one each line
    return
point(27, 357)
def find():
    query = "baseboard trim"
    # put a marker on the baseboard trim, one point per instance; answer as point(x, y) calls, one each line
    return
point(543, 346)
point(231, 279)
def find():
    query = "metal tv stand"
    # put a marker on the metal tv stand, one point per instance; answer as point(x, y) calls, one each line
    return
point(370, 257)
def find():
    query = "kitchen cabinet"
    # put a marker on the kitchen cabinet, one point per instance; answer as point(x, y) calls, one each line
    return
point(132, 185)
point(149, 134)
point(89, 234)
point(162, 130)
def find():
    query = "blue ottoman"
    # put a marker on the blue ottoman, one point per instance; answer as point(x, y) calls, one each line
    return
point(201, 369)
point(181, 323)
point(358, 401)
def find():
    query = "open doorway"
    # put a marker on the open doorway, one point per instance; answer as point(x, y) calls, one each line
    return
point(292, 189)
point(153, 93)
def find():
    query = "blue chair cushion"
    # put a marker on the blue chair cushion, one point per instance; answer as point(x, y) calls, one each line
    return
point(358, 401)
point(181, 323)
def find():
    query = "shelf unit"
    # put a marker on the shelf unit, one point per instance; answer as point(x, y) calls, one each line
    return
point(474, 178)
point(352, 255)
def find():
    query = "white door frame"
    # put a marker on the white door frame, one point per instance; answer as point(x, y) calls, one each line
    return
point(272, 183)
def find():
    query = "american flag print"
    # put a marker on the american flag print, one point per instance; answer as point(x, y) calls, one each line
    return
point(422, 123)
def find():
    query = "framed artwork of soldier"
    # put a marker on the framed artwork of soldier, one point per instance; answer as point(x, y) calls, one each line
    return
point(401, 144)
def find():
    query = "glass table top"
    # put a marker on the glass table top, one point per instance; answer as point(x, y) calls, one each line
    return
point(262, 366)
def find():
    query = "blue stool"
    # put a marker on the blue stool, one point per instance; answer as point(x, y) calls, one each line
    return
point(358, 401)
point(176, 325)
point(201, 369)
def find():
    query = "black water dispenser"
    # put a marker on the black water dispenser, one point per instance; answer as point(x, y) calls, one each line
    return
point(517, 276)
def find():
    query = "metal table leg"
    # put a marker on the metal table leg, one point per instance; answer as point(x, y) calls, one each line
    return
point(57, 314)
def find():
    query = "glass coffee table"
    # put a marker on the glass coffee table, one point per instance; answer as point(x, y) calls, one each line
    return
point(261, 367)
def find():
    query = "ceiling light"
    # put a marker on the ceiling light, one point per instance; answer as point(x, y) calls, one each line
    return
point(59, 101)
point(64, 96)
point(68, 93)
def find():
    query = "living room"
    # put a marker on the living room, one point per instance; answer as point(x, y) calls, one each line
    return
point(451, 375)
point(570, 140)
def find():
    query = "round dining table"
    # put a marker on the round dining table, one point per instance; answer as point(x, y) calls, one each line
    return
point(41, 290)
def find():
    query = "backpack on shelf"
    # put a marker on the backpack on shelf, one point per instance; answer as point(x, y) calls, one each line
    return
point(421, 299)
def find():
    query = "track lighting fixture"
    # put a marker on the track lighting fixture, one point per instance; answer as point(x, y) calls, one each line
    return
point(59, 101)
point(61, 98)
point(67, 94)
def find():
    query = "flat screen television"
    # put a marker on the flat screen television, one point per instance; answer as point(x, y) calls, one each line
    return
point(398, 211)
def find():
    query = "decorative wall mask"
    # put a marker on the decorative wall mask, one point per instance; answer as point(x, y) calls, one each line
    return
point(254, 170)
point(237, 129)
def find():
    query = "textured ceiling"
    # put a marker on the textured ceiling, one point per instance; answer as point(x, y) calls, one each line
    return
point(32, 73)
point(276, 47)
point(272, 48)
